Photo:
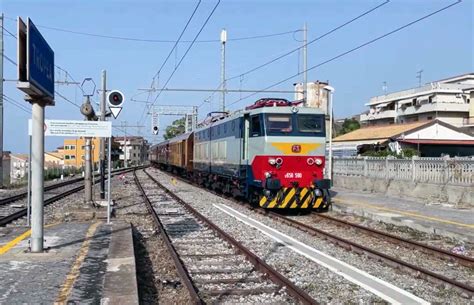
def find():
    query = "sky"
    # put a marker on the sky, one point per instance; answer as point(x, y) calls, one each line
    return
point(441, 46)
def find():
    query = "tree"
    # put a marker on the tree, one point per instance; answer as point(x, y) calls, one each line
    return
point(348, 126)
point(175, 129)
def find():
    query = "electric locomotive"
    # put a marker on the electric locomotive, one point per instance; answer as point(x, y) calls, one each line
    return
point(272, 153)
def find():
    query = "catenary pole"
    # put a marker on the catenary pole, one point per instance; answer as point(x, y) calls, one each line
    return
point(305, 64)
point(102, 140)
point(37, 181)
point(223, 41)
point(1, 101)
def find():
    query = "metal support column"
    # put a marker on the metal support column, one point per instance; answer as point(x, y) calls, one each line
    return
point(1, 101)
point(305, 65)
point(28, 200)
point(109, 191)
point(330, 111)
point(88, 172)
point(37, 181)
point(102, 140)
point(223, 84)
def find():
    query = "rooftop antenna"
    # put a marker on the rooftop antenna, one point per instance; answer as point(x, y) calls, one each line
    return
point(384, 87)
point(418, 75)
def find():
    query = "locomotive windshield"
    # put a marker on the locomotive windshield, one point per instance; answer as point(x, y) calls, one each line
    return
point(294, 124)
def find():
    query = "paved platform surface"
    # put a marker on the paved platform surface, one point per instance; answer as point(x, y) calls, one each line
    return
point(440, 219)
point(85, 262)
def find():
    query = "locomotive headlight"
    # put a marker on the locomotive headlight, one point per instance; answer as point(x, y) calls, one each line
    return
point(268, 175)
point(272, 161)
point(279, 161)
point(318, 161)
point(318, 193)
point(310, 161)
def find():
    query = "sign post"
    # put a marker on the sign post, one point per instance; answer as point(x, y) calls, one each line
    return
point(35, 60)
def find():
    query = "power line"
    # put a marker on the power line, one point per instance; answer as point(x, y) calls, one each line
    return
point(16, 104)
point(177, 41)
point(6, 30)
point(70, 76)
point(351, 50)
point(9, 59)
point(185, 53)
point(157, 40)
point(310, 42)
point(66, 99)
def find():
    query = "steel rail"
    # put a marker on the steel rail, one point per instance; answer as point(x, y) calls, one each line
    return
point(461, 259)
point(22, 195)
point(257, 262)
point(20, 213)
point(390, 260)
point(183, 274)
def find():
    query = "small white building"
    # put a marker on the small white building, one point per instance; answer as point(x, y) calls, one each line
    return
point(448, 100)
point(431, 138)
point(134, 149)
point(18, 167)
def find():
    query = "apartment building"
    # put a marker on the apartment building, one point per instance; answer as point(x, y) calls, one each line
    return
point(449, 100)
point(133, 148)
point(73, 152)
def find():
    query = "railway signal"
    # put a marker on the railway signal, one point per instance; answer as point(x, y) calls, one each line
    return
point(115, 100)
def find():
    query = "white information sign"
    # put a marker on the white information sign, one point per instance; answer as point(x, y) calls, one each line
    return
point(67, 128)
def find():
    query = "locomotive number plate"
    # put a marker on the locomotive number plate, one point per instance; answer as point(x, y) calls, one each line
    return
point(293, 175)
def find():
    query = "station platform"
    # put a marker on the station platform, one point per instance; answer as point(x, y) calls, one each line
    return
point(83, 262)
point(440, 219)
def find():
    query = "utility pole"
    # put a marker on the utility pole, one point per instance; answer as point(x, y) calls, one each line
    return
point(1, 101)
point(125, 162)
point(223, 84)
point(418, 75)
point(88, 111)
point(305, 65)
point(102, 140)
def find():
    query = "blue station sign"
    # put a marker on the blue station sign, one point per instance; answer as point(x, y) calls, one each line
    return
point(40, 65)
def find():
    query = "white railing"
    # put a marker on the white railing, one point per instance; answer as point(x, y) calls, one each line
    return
point(431, 170)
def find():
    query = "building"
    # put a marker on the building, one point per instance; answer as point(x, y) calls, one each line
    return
point(317, 97)
point(447, 100)
point(54, 159)
point(18, 167)
point(73, 152)
point(432, 138)
point(134, 149)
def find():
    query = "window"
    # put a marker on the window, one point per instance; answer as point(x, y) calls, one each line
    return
point(310, 123)
point(256, 130)
point(73, 157)
point(82, 147)
point(66, 147)
point(134, 154)
point(82, 157)
point(278, 124)
point(430, 118)
point(233, 125)
point(72, 147)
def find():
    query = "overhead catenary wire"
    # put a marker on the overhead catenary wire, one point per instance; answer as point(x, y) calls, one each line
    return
point(124, 38)
point(184, 56)
point(178, 40)
point(10, 60)
point(66, 99)
point(351, 50)
point(240, 75)
point(16, 104)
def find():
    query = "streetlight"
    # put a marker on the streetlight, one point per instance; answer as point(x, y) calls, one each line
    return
point(330, 93)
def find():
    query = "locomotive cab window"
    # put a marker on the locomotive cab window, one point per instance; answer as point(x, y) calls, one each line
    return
point(310, 124)
point(276, 124)
point(256, 130)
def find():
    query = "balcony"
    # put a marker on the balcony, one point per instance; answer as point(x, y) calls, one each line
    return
point(384, 114)
point(434, 107)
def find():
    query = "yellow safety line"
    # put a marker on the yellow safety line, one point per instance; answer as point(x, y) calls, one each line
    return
point(66, 288)
point(404, 213)
point(5, 248)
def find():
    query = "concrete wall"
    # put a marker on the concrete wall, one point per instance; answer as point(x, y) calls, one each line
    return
point(459, 196)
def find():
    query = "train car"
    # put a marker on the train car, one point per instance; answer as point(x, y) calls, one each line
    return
point(175, 154)
point(272, 153)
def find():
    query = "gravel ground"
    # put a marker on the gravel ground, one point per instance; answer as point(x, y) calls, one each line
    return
point(440, 266)
point(327, 287)
point(217, 259)
point(430, 239)
point(158, 280)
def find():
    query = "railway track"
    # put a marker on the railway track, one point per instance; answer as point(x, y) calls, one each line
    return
point(213, 266)
point(437, 278)
point(13, 208)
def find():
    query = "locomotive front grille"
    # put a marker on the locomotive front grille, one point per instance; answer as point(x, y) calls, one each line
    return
point(292, 198)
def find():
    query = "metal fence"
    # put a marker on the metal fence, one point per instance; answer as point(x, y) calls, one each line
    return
point(432, 170)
